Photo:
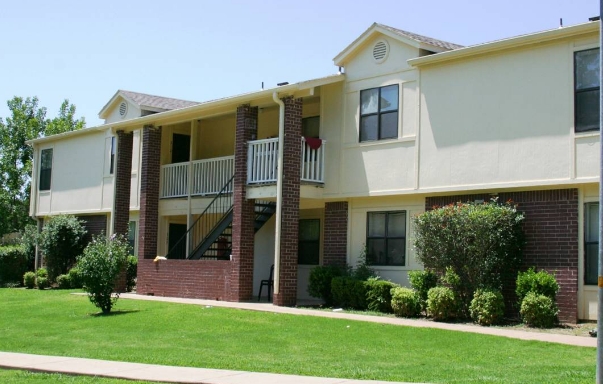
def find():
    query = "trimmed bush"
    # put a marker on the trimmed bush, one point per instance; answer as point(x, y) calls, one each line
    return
point(441, 303)
point(319, 284)
point(378, 295)
point(131, 272)
point(422, 282)
point(541, 283)
point(348, 292)
point(487, 307)
point(13, 264)
point(405, 302)
point(99, 267)
point(63, 282)
point(74, 278)
point(29, 280)
point(42, 282)
point(538, 311)
point(42, 272)
point(62, 240)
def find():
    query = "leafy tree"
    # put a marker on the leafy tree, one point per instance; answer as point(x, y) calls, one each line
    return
point(27, 121)
point(62, 241)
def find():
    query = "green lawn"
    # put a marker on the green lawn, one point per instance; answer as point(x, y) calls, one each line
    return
point(57, 323)
point(24, 377)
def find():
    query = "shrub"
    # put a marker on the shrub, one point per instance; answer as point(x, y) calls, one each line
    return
point(131, 271)
point(362, 271)
point(541, 283)
point(42, 282)
point(406, 302)
point(487, 307)
point(481, 243)
point(62, 240)
point(74, 278)
point(378, 295)
point(13, 264)
point(100, 266)
point(441, 303)
point(29, 280)
point(319, 284)
point(41, 272)
point(422, 282)
point(348, 292)
point(29, 240)
point(63, 282)
point(538, 311)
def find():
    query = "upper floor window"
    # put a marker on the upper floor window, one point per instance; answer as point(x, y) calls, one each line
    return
point(45, 169)
point(586, 90)
point(112, 163)
point(386, 238)
point(379, 113)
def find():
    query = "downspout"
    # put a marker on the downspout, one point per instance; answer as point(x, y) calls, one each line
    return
point(279, 191)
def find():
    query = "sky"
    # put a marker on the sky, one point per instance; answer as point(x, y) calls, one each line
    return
point(201, 50)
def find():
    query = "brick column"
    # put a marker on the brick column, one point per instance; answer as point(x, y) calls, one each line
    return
point(149, 193)
point(121, 199)
point(287, 295)
point(123, 178)
point(335, 233)
point(243, 234)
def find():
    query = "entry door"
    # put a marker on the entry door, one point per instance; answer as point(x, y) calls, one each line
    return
point(176, 231)
point(181, 146)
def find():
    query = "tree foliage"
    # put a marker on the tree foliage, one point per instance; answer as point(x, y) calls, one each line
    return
point(62, 240)
point(27, 121)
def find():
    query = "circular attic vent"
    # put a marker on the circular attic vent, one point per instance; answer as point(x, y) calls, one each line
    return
point(380, 51)
point(123, 109)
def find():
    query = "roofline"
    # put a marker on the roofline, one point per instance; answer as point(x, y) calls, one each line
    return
point(105, 110)
point(512, 42)
point(60, 136)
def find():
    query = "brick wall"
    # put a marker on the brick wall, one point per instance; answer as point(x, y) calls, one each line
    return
point(290, 204)
point(335, 233)
point(149, 193)
point(199, 279)
point(551, 229)
point(94, 224)
point(243, 235)
point(123, 180)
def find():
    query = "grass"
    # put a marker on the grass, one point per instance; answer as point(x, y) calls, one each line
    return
point(25, 377)
point(56, 323)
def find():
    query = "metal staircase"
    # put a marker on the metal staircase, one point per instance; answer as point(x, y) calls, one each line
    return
point(211, 234)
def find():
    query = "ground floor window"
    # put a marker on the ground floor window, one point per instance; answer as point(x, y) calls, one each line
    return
point(386, 238)
point(132, 237)
point(591, 243)
point(308, 250)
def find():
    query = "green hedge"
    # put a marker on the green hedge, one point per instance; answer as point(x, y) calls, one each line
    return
point(379, 296)
point(348, 292)
point(13, 264)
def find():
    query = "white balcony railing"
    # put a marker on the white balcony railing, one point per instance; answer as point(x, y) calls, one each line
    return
point(209, 176)
point(313, 161)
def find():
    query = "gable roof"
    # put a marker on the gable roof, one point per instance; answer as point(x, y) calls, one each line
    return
point(412, 39)
point(146, 101)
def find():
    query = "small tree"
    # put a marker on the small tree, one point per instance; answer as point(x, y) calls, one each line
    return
point(99, 267)
point(481, 243)
point(62, 240)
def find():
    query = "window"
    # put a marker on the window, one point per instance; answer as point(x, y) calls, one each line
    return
point(132, 237)
point(311, 127)
point(112, 164)
point(45, 169)
point(586, 90)
point(379, 113)
point(308, 251)
point(386, 238)
point(591, 243)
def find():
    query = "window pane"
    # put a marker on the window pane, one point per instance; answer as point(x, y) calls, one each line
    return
point(375, 252)
point(389, 125)
point(591, 261)
point(389, 98)
point(369, 101)
point(132, 236)
point(592, 222)
point(587, 110)
point(368, 128)
point(308, 252)
point(587, 69)
point(309, 230)
point(311, 126)
point(395, 251)
point(45, 175)
point(46, 159)
point(396, 226)
point(376, 224)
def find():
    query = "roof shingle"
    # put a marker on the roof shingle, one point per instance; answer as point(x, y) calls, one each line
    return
point(145, 100)
point(421, 38)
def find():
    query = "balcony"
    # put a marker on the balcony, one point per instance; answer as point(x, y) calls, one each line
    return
point(210, 175)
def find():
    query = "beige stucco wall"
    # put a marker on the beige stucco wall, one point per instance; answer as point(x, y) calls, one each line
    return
point(132, 112)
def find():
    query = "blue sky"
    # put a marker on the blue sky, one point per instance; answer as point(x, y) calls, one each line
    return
point(201, 50)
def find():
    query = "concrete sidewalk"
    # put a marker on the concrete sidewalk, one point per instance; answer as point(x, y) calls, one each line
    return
point(579, 341)
point(161, 373)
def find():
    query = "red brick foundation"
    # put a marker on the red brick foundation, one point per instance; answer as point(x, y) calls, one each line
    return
point(335, 234)
point(551, 229)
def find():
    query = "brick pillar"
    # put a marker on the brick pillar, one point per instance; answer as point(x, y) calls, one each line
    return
point(243, 235)
point(287, 295)
point(149, 193)
point(121, 199)
point(335, 233)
